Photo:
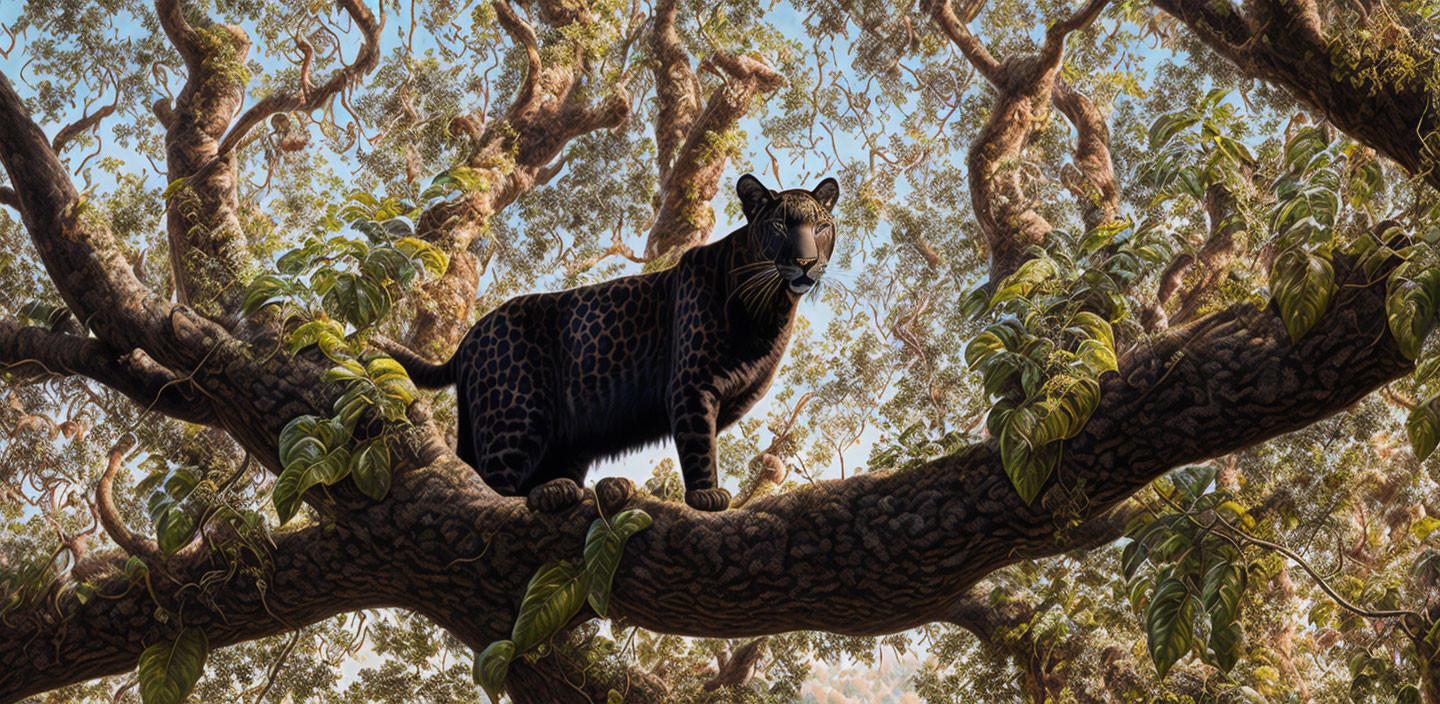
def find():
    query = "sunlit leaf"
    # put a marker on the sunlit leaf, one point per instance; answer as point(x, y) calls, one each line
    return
point(555, 594)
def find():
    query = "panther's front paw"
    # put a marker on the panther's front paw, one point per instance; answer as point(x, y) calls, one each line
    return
point(708, 499)
point(554, 496)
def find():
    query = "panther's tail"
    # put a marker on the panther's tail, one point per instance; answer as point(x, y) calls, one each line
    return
point(424, 374)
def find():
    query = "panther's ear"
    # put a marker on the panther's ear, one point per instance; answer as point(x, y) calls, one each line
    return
point(754, 196)
point(827, 193)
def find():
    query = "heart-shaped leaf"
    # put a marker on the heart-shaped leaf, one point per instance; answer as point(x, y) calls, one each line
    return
point(555, 595)
point(168, 671)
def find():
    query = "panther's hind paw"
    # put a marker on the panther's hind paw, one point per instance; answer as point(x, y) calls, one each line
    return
point(554, 496)
point(708, 499)
point(613, 493)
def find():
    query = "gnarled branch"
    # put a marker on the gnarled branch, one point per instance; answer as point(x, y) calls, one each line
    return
point(309, 98)
point(686, 134)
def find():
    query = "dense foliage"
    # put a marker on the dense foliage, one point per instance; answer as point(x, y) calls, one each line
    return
point(1305, 568)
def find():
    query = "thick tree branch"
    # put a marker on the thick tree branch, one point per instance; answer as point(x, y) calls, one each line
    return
point(1024, 86)
point(677, 90)
point(1094, 184)
point(970, 46)
point(59, 640)
point(34, 351)
point(1054, 47)
point(1345, 79)
point(186, 40)
point(690, 174)
point(509, 157)
point(872, 554)
point(210, 258)
point(92, 275)
point(523, 35)
point(253, 390)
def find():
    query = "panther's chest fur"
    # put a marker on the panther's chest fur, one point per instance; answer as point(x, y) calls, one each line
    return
point(547, 383)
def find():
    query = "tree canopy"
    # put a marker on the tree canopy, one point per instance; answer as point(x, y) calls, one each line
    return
point(1121, 386)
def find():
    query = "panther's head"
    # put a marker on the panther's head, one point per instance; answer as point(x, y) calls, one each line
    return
point(791, 230)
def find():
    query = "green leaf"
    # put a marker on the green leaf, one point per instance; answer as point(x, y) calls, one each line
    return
point(370, 467)
point(174, 530)
point(1169, 624)
point(1423, 527)
point(1226, 642)
point(313, 453)
point(1192, 481)
point(1223, 588)
point(604, 545)
point(555, 594)
point(1027, 464)
point(1025, 279)
point(1423, 429)
point(263, 291)
point(1410, 308)
point(491, 666)
point(136, 569)
point(1167, 126)
point(168, 671)
point(1408, 694)
point(173, 187)
point(1303, 285)
point(359, 301)
point(1132, 557)
point(326, 333)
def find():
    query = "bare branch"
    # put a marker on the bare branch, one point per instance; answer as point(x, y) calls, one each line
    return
point(970, 45)
point(114, 525)
point(523, 35)
point(309, 99)
point(1054, 47)
point(79, 127)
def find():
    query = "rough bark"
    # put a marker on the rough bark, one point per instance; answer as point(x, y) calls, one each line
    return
point(1093, 181)
point(873, 554)
point(211, 261)
point(509, 156)
point(689, 137)
point(1024, 87)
